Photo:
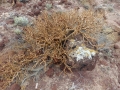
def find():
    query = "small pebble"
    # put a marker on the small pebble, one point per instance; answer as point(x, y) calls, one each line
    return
point(50, 72)
point(15, 87)
point(117, 45)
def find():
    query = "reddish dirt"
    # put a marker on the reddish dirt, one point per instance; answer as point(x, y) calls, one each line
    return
point(105, 75)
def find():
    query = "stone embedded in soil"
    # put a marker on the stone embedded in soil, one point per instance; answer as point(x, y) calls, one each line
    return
point(36, 11)
point(43, 1)
point(18, 4)
point(35, 6)
point(30, 14)
point(75, 75)
point(54, 87)
point(117, 22)
point(15, 87)
point(118, 33)
point(83, 65)
point(11, 1)
point(2, 9)
point(24, 1)
point(118, 65)
point(50, 72)
point(62, 1)
point(117, 45)
point(103, 62)
point(40, 3)
point(5, 39)
point(68, 3)
point(86, 64)
point(10, 21)
point(2, 45)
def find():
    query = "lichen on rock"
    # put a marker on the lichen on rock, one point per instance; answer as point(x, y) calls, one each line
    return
point(82, 52)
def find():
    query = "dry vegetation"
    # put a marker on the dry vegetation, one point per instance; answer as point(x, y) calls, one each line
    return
point(46, 43)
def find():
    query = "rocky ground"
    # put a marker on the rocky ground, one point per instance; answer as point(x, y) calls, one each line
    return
point(105, 75)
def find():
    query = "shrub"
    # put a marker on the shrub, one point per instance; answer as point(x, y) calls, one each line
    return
point(46, 41)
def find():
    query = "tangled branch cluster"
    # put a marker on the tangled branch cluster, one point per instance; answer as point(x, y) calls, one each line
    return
point(46, 41)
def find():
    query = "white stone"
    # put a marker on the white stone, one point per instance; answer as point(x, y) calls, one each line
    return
point(36, 86)
point(82, 52)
